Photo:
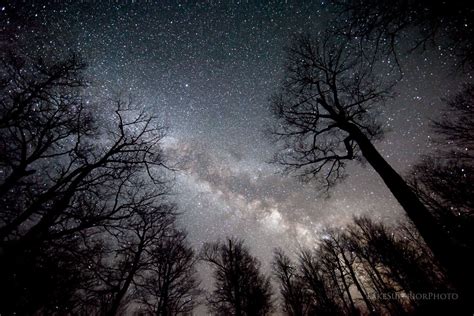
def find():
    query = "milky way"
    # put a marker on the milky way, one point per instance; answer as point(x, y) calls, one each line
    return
point(208, 70)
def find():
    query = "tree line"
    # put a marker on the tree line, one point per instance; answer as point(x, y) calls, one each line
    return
point(87, 228)
point(327, 112)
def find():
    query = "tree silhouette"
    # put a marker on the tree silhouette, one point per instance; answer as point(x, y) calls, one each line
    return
point(134, 268)
point(170, 286)
point(52, 165)
point(40, 109)
point(322, 282)
point(326, 106)
point(435, 22)
point(455, 126)
point(47, 280)
point(296, 302)
point(240, 288)
point(394, 262)
point(68, 181)
point(364, 268)
point(326, 115)
point(444, 183)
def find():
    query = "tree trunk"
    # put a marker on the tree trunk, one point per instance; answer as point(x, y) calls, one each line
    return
point(354, 310)
point(356, 282)
point(115, 305)
point(447, 253)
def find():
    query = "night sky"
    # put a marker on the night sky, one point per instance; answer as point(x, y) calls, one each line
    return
point(208, 71)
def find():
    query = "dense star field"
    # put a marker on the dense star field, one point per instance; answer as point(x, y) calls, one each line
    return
point(207, 70)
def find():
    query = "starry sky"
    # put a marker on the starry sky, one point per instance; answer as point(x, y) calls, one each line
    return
point(207, 70)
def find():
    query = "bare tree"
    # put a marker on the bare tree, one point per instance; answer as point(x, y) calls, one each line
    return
point(296, 302)
point(321, 279)
point(39, 110)
point(369, 242)
point(327, 104)
point(170, 286)
point(43, 120)
point(455, 126)
point(46, 280)
point(444, 182)
point(430, 23)
point(64, 178)
point(320, 282)
point(364, 268)
point(396, 261)
point(444, 185)
point(326, 116)
point(240, 288)
point(131, 248)
point(90, 169)
point(335, 248)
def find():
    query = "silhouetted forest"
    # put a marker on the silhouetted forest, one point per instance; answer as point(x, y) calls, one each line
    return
point(87, 225)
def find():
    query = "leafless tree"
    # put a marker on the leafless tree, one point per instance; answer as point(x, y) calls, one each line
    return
point(43, 120)
point(87, 171)
point(455, 126)
point(321, 279)
point(240, 288)
point(326, 106)
point(39, 109)
point(395, 262)
point(326, 114)
point(443, 182)
point(45, 280)
point(296, 302)
point(320, 282)
point(430, 23)
point(364, 268)
point(64, 178)
point(335, 248)
point(130, 256)
point(170, 286)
